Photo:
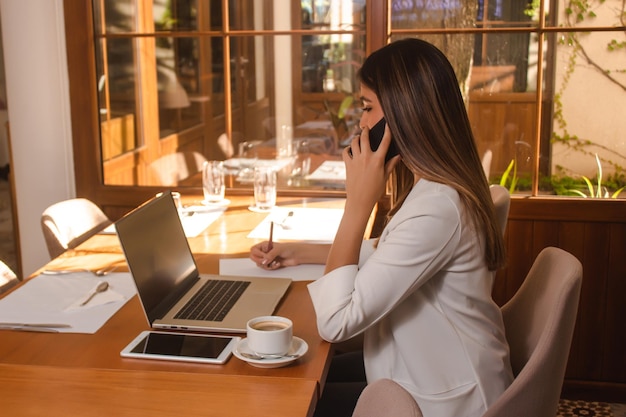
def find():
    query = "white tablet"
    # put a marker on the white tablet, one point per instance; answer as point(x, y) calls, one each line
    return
point(186, 347)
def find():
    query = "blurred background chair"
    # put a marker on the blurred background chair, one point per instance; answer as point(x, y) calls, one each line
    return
point(169, 169)
point(69, 223)
point(539, 321)
point(386, 398)
point(502, 202)
point(486, 162)
point(7, 277)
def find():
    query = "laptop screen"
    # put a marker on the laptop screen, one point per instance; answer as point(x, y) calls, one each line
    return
point(157, 252)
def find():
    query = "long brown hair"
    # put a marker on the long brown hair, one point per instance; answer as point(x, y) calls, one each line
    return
point(422, 103)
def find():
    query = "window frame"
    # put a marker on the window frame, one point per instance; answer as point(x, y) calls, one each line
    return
point(84, 108)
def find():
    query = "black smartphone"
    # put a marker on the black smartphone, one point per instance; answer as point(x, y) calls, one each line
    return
point(376, 136)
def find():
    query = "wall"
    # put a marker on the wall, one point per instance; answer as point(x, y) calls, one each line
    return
point(38, 100)
point(593, 105)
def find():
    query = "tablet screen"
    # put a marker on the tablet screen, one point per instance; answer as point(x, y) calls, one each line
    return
point(181, 346)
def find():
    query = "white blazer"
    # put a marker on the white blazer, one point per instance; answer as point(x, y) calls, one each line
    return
point(423, 299)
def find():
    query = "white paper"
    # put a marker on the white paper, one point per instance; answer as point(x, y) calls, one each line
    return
point(329, 171)
point(195, 219)
point(246, 267)
point(315, 225)
point(46, 298)
point(201, 218)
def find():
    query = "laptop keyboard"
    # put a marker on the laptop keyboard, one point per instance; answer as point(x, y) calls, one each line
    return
point(213, 301)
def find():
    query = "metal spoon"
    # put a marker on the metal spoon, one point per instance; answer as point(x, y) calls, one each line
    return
point(102, 287)
point(257, 357)
point(283, 222)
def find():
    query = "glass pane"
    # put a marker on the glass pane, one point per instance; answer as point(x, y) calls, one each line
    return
point(267, 107)
point(177, 15)
point(589, 87)
point(115, 16)
point(432, 14)
point(503, 106)
point(452, 14)
point(178, 81)
point(117, 86)
point(589, 13)
point(313, 14)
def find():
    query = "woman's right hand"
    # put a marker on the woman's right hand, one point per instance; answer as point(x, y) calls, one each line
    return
point(287, 254)
point(281, 255)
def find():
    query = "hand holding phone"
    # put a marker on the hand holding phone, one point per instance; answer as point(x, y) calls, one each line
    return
point(376, 136)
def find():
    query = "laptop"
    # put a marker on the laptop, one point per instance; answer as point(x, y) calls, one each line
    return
point(173, 294)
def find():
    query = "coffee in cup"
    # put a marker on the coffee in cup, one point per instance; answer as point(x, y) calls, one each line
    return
point(270, 335)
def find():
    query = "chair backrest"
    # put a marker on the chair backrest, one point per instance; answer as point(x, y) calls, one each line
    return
point(69, 223)
point(539, 321)
point(486, 162)
point(169, 169)
point(502, 202)
point(7, 277)
point(386, 398)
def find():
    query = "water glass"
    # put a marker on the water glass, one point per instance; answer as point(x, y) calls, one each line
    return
point(213, 184)
point(264, 187)
point(284, 142)
point(302, 161)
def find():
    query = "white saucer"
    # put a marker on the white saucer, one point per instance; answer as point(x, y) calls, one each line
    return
point(298, 347)
point(258, 210)
point(222, 203)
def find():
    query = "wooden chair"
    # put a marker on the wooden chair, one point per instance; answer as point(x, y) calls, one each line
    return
point(69, 223)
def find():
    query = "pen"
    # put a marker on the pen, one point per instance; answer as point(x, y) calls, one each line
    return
point(270, 244)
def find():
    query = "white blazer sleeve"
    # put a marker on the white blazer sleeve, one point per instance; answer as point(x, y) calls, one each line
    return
point(416, 244)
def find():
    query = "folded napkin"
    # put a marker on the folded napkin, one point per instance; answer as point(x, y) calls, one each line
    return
point(50, 298)
point(94, 298)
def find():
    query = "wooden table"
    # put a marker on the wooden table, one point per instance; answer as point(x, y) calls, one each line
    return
point(81, 374)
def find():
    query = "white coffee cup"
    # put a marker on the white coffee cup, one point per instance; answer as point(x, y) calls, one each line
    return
point(264, 187)
point(213, 184)
point(269, 335)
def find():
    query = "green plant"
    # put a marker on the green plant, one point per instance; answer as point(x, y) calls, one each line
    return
point(600, 190)
point(505, 177)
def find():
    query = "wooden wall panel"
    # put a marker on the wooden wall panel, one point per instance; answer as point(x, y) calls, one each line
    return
point(614, 342)
point(594, 232)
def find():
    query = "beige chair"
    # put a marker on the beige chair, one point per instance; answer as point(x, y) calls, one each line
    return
point(7, 277)
point(386, 398)
point(69, 223)
point(169, 169)
point(502, 202)
point(539, 321)
point(486, 162)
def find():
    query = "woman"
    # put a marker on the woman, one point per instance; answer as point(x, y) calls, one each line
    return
point(421, 293)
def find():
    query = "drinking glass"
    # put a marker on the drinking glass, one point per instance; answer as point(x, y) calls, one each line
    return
point(213, 185)
point(264, 187)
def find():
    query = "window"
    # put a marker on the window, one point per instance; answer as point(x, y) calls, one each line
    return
point(543, 87)
point(164, 87)
point(221, 79)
